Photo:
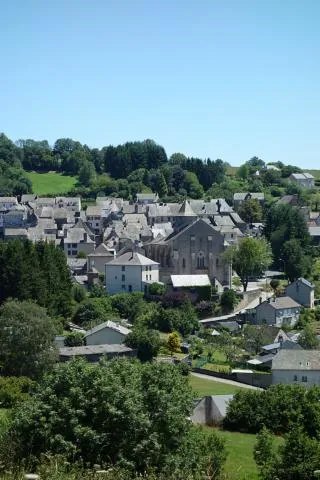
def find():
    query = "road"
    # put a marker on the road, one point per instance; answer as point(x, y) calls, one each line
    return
point(224, 380)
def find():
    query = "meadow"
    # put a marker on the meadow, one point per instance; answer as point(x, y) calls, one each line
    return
point(51, 183)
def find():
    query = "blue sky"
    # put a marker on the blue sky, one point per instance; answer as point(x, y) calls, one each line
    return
point(221, 79)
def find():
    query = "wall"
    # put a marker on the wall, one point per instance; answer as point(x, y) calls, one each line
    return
point(114, 282)
point(106, 336)
point(256, 379)
point(301, 294)
point(98, 262)
point(287, 377)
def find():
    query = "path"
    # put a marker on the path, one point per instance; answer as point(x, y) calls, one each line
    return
point(225, 380)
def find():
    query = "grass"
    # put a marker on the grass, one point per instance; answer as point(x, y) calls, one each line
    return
point(51, 183)
point(202, 387)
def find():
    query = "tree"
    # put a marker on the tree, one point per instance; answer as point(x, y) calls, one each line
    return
point(294, 260)
point(78, 293)
point(94, 311)
point(102, 400)
point(263, 450)
point(146, 342)
point(174, 343)
point(26, 339)
point(74, 339)
point(87, 174)
point(254, 338)
point(251, 211)
point(250, 257)
point(308, 338)
point(228, 300)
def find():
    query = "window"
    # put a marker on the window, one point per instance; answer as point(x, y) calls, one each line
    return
point(74, 252)
point(295, 378)
point(123, 278)
point(192, 238)
point(175, 254)
point(123, 287)
point(130, 288)
point(123, 269)
point(209, 238)
point(304, 379)
point(74, 245)
point(200, 261)
point(217, 262)
point(183, 263)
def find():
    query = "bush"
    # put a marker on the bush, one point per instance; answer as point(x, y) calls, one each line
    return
point(14, 390)
point(74, 339)
point(157, 289)
point(228, 300)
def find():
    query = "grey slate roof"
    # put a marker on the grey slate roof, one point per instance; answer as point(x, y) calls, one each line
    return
point(93, 350)
point(112, 325)
point(280, 303)
point(253, 195)
point(132, 258)
point(221, 402)
point(101, 251)
point(297, 360)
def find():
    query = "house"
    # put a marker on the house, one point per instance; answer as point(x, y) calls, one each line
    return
point(289, 200)
point(106, 333)
point(210, 410)
point(93, 353)
point(314, 233)
point(7, 203)
point(197, 248)
point(75, 240)
point(296, 367)
point(15, 234)
point(302, 292)
point(130, 272)
point(99, 257)
point(240, 198)
point(304, 180)
point(146, 198)
point(94, 214)
point(277, 311)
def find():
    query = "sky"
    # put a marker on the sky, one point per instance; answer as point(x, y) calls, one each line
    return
point(223, 79)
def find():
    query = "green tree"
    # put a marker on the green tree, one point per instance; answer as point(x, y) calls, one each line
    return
point(296, 264)
point(228, 300)
point(251, 211)
point(264, 449)
point(174, 342)
point(94, 311)
point(308, 338)
point(254, 337)
point(102, 400)
point(74, 339)
point(78, 293)
point(250, 257)
point(243, 171)
point(26, 339)
point(146, 342)
point(87, 174)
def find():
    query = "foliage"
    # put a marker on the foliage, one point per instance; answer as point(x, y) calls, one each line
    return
point(74, 339)
point(254, 337)
point(157, 289)
point(93, 311)
point(146, 342)
point(182, 319)
point(295, 262)
point(26, 339)
point(250, 257)
point(279, 409)
point(174, 299)
point(14, 390)
point(174, 342)
point(35, 271)
point(78, 293)
point(308, 338)
point(298, 458)
point(228, 300)
point(251, 211)
point(128, 305)
point(90, 420)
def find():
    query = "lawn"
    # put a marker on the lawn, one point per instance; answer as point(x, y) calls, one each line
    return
point(202, 387)
point(51, 183)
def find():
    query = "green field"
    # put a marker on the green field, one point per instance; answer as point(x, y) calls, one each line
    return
point(51, 183)
point(202, 387)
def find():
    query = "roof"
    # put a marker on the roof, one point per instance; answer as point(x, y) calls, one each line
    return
point(271, 346)
point(302, 176)
point(111, 325)
point(101, 251)
point(304, 282)
point(221, 403)
point(147, 196)
point(297, 360)
point(93, 350)
point(314, 231)
point(14, 232)
point(77, 235)
point(132, 258)
point(185, 210)
point(249, 195)
point(8, 199)
point(190, 280)
point(280, 303)
point(93, 211)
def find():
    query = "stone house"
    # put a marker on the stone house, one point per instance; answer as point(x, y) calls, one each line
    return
point(195, 249)
point(240, 198)
point(93, 353)
point(107, 333)
point(302, 292)
point(75, 240)
point(94, 215)
point(99, 257)
point(276, 311)
point(304, 180)
point(296, 367)
point(130, 272)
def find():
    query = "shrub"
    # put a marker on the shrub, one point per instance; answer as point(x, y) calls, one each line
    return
point(228, 300)
point(157, 289)
point(14, 390)
point(74, 339)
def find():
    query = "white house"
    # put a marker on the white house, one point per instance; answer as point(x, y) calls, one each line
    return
point(107, 333)
point(302, 292)
point(296, 367)
point(130, 272)
point(304, 180)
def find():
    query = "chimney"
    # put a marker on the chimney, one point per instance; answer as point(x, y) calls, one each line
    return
point(260, 300)
point(85, 237)
point(136, 207)
point(65, 232)
point(218, 203)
